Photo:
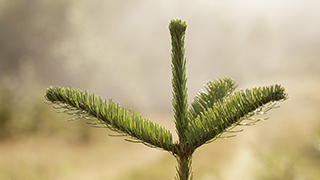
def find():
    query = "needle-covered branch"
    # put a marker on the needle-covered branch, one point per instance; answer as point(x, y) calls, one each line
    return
point(110, 115)
point(177, 29)
point(179, 78)
point(230, 111)
point(216, 90)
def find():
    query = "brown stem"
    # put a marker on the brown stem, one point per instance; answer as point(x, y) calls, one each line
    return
point(184, 156)
point(184, 169)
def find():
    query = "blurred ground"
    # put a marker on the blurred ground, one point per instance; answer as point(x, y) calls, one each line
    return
point(121, 50)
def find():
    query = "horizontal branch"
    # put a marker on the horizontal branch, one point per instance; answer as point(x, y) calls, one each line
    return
point(216, 90)
point(110, 115)
point(230, 111)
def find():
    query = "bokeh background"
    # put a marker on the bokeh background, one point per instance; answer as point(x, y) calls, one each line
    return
point(121, 50)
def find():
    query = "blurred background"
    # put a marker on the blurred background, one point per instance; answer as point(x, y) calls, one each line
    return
point(121, 50)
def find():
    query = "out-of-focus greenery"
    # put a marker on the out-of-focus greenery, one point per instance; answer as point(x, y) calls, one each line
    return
point(29, 33)
point(23, 112)
point(298, 160)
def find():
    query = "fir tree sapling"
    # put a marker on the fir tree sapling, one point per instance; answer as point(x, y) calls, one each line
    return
point(212, 113)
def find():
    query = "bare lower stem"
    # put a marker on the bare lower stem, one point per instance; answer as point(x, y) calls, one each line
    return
point(184, 156)
point(184, 168)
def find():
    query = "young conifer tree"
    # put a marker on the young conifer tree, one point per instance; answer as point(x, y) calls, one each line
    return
point(212, 113)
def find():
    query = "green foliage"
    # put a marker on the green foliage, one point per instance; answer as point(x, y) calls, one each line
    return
point(180, 97)
point(229, 110)
point(179, 77)
point(110, 115)
point(211, 113)
point(216, 90)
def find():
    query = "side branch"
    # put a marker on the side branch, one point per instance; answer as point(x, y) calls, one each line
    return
point(110, 115)
point(230, 111)
point(216, 91)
